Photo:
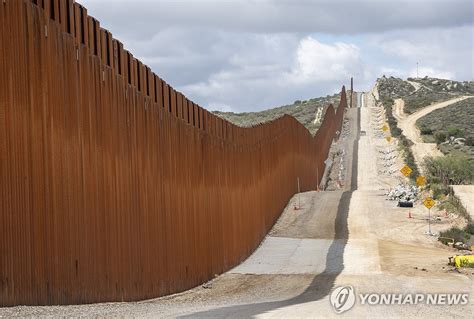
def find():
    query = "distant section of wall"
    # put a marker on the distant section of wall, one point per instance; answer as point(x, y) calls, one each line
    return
point(114, 186)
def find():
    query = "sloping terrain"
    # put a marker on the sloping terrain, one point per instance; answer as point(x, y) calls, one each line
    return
point(456, 119)
point(425, 97)
point(445, 86)
point(416, 96)
point(407, 124)
point(394, 87)
point(304, 111)
point(428, 91)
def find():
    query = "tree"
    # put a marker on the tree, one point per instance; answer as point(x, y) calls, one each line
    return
point(450, 170)
point(426, 130)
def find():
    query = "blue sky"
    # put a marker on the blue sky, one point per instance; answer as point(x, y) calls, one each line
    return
point(248, 55)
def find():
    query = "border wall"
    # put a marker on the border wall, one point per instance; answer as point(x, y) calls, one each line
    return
point(113, 185)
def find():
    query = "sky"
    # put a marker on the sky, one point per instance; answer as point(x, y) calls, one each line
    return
point(250, 55)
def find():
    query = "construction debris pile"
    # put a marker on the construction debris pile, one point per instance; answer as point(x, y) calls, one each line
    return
point(345, 129)
point(335, 167)
point(335, 163)
point(403, 192)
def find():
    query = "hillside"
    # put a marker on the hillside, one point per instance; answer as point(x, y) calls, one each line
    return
point(394, 88)
point(442, 126)
point(418, 93)
point(456, 121)
point(304, 111)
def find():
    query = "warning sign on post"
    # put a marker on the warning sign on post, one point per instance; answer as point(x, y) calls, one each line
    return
point(420, 181)
point(406, 170)
point(429, 202)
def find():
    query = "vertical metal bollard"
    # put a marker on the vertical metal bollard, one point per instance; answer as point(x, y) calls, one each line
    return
point(299, 198)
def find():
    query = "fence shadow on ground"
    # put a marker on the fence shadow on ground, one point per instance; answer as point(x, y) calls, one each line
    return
point(323, 283)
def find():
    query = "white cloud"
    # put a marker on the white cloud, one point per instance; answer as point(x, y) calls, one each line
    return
point(391, 71)
point(272, 72)
point(247, 55)
point(432, 73)
point(220, 107)
point(317, 62)
point(446, 52)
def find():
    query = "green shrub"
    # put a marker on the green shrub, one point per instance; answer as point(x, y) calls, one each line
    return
point(455, 233)
point(435, 180)
point(426, 131)
point(456, 132)
point(410, 161)
point(440, 137)
point(392, 122)
point(405, 143)
point(439, 190)
point(396, 132)
point(450, 170)
point(453, 205)
point(469, 228)
point(387, 101)
point(470, 141)
point(455, 120)
point(428, 139)
point(423, 98)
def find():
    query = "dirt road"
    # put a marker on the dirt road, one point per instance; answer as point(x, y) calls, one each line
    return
point(348, 237)
point(416, 85)
point(407, 123)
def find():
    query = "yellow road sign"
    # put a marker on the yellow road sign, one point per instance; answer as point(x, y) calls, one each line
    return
point(406, 170)
point(420, 181)
point(388, 138)
point(385, 128)
point(428, 202)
